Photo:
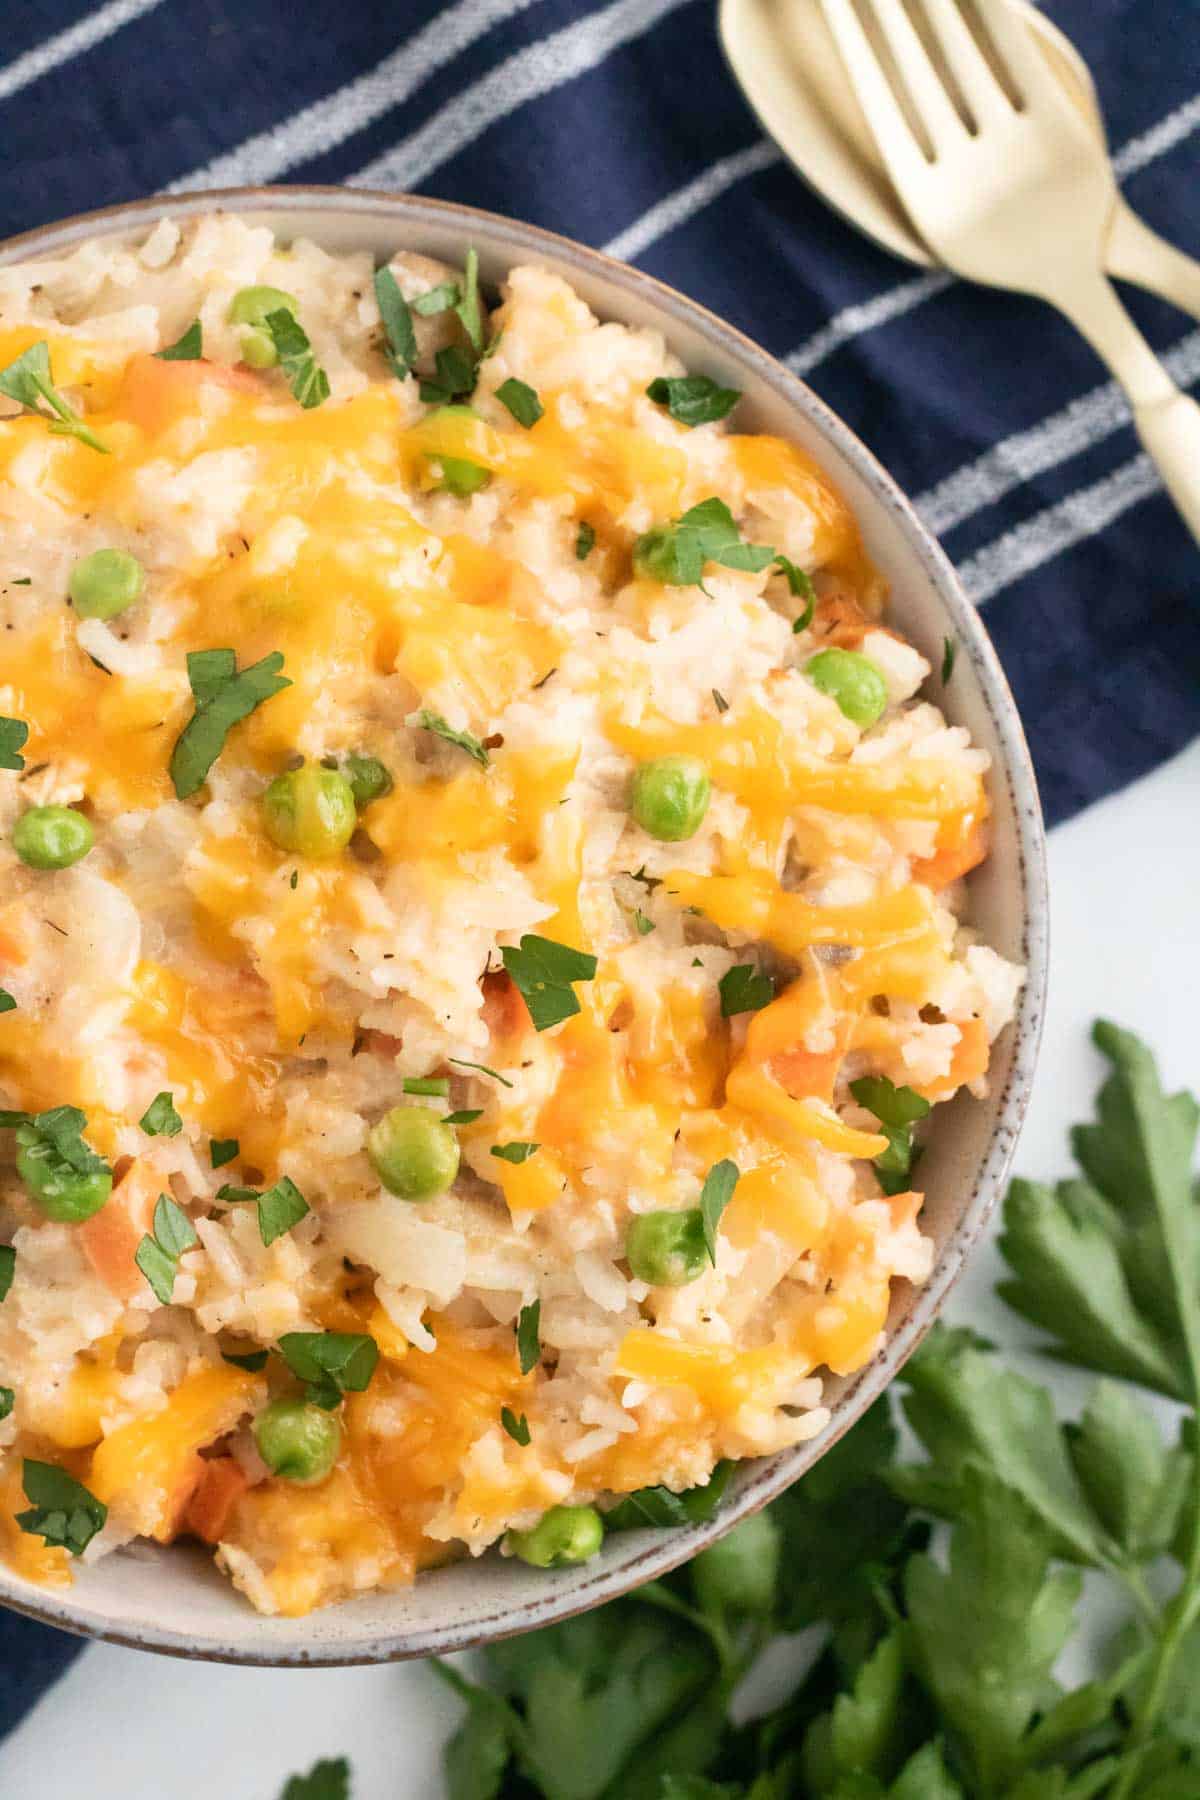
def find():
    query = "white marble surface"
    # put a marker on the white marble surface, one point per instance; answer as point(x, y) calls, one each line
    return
point(126, 1726)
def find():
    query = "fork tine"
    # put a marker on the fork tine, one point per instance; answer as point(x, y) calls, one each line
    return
point(967, 63)
point(926, 89)
point(891, 130)
point(1017, 49)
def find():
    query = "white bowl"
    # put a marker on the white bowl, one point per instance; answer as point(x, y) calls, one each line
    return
point(174, 1600)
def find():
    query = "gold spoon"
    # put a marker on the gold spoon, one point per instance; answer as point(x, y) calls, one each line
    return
point(784, 57)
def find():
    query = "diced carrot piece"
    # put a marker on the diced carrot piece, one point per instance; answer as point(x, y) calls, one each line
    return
point(110, 1237)
point(806, 1074)
point(221, 1486)
point(155, 393)
point(961, 848)
point(504, 1012)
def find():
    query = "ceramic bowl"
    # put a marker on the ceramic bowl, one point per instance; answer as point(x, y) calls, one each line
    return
point(173, 1600)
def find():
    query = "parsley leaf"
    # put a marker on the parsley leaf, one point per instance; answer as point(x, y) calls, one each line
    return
point(8, 1268)
point(279, 1207)
point(515, 1152)
point(744, 989)
point(28, 382)
point(222, 1151)
point(801, 587)
point(326, 1780)
point(693, 399)
point(543, 972)
point(719, 701)
point(585, 541)
point(676, 554)
point(437, 1086)
point(438, 299)
point(224, 695)
point(8, 1400)
point(398, 330)
point(467, 1116)
point(188, 348)
point(521, 400)
point(457, 373)
point(715, 1196)
point(517, 1428)
point(661, 1506)
point(470, 313)
point(431, 721)
point(333, 1363)
point(949, 656)
point(309, 384)
point(529, 1349)
point(897, 1109)
point(158, 1256)
point(62, 1512)
point(7, 1003)
point(13, 736)
point(644, 925)
point(160, 1118)
point(254, 1361)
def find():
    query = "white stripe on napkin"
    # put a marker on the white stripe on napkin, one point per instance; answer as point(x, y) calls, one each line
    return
point(677, 208)
point(53, 52)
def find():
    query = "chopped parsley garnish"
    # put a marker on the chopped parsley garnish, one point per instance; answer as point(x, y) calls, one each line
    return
point(62, 1512)
point(254, 1361)
point(515, 1152)
point(279, 1207)
point(7, 1003)
point(521, 400)
point(800, 584)
point(28, 382)
point(431, 721)
point(7, 1401)
point(715, 1196)
point(585, 541)
point(61, 1128)
point(398, 331)
point(644, 925)
point(529, 1348)
point(897, 1109)
point(457, 372)
point(719, 701)
point(326, 1780)
point(188, 348)
point(332, 1363)
point(160, 1118)
point(949, 657)
point(543, 972)
point(517, 1428)
point(662, 1507)
point(8, 1268)
point(294, 880)
point(309, 384)
point(436, 1085)
point(158, 1256)
point(744, 989)
point(222, 1151)
point(468, 1116)
point(13, 736)
point(461, 1063)
point(21, 581)
point(439, 299)
point(224, 695)
point(467, 307)
point(677, 553)
point(693, 399)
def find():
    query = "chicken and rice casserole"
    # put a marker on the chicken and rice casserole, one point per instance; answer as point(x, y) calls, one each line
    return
point(479, 919)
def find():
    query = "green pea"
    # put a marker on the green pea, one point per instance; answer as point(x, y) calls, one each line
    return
point(369, 779)
point(654, 556)
point(250, 306)
point(66, 1195)
point(670, 797)
point(298, 1441)
point(52, 837)
point(566, 1534)
point(667, 1249)
point(738, 1573)
point(851, 679)
point(310, 811)
point(458, 475)
point(105, 583)
point(413, 1153)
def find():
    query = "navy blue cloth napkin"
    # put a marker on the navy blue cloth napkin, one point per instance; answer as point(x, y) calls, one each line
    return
point(618, 123)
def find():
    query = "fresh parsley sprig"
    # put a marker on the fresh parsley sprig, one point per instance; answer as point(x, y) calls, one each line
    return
point(693, 399)
point(544, 973)
point(224, 695)
point(424, 720)
point(332, 1363)
point(308, 382)
point(677, 553)
point(14, 735)
point(27, 380)
point(279, 1207)
point(158, 1256)
point(62, 1512)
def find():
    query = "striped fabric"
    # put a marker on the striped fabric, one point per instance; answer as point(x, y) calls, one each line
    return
point(619, 124)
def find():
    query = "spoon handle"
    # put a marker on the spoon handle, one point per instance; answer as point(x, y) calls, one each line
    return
point(1136, 253)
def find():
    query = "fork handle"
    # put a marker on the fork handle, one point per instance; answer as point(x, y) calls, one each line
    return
point(1136, 253)
point(1170, 430)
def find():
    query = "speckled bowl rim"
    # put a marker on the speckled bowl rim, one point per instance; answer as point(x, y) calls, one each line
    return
point(651, 1554)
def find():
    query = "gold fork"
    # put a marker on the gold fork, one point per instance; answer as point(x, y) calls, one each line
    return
point(1008, 186)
